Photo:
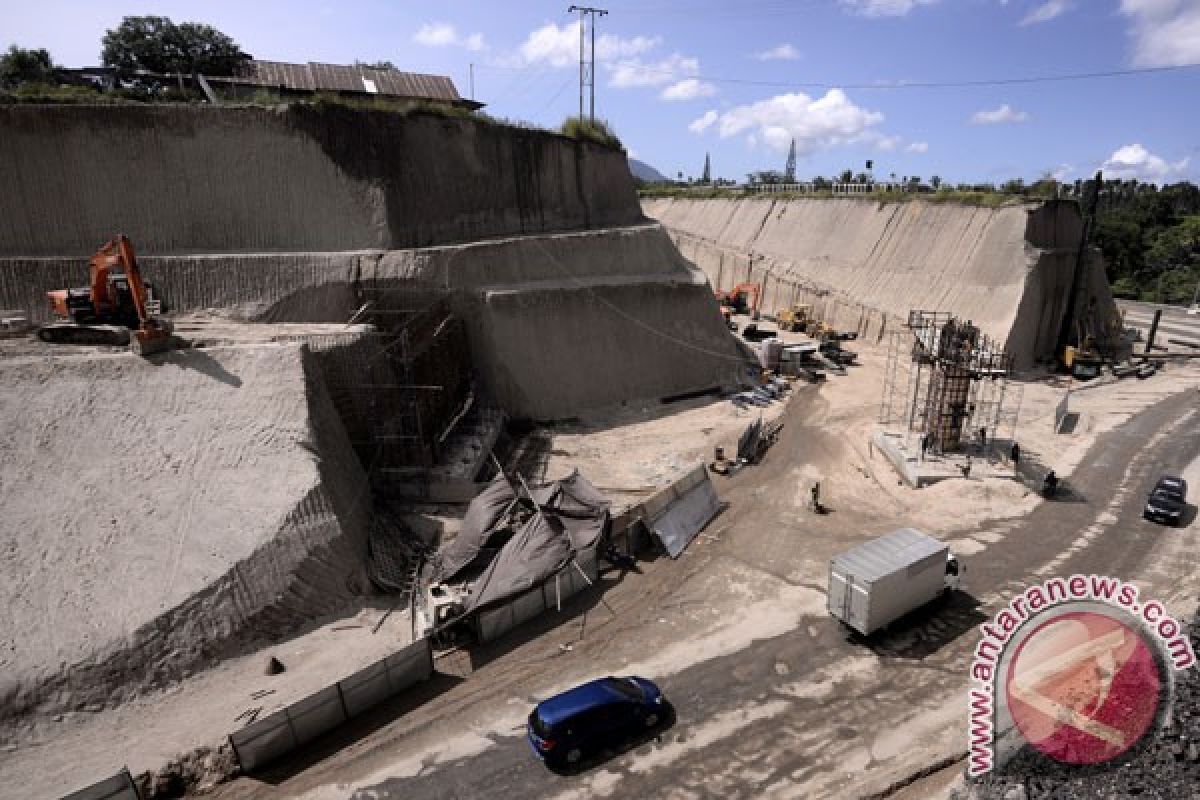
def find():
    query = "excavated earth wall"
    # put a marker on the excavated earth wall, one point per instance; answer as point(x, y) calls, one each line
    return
point(161, 514)
point(559, 324)
point(864, 265)
point(300, 214)
point(199, 179)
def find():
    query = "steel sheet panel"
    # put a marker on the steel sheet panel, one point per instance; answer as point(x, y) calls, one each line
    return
point(366, 688)
point(686, 517)
point(263, 741)
point(118, 787)
point(316, 714)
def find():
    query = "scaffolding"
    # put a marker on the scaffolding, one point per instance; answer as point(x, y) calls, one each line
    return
point(945, 382)
point(415, 383)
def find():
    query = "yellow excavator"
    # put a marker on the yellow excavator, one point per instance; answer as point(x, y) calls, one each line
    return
point(116, 302)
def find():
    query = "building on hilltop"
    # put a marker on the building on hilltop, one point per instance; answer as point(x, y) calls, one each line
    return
point(348, 80)
point(286, 82)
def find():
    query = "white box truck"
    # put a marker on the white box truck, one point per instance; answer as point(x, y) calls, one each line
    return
point(880, 581)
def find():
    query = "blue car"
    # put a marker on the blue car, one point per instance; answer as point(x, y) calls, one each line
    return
point(590, 717)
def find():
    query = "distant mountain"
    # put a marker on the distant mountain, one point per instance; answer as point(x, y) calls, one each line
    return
point(644, 172)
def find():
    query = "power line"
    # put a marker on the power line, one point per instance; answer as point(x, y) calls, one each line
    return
point(880, 86)
point(901, 84)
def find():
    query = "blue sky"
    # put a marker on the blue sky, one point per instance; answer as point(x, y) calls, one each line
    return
point(739, 80)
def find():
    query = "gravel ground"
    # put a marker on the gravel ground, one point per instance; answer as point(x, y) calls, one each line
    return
point(1166, 767)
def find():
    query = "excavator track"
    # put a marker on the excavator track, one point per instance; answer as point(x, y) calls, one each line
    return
point(114, 335)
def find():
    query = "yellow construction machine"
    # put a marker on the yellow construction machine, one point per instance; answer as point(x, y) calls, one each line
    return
point(795, 318)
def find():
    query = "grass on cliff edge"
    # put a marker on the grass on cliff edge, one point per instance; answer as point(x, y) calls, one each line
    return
point(978, 199)
point(595, 131)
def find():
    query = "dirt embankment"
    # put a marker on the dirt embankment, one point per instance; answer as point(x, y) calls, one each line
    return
point(161, 514)
point(860, 263)
point(189, 179)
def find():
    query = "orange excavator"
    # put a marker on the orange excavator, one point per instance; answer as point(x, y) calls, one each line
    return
point(738, 299)
point(116, 302)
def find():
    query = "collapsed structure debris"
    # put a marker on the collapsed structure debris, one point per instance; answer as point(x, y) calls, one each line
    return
point(513, 539)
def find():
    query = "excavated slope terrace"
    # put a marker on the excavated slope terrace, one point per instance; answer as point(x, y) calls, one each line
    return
point(1008, 269)
point(161, 513)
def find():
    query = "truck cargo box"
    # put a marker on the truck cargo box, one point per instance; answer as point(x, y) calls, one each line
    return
point(880, 581)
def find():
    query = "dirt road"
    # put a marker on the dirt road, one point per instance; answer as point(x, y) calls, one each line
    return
point(772, 697)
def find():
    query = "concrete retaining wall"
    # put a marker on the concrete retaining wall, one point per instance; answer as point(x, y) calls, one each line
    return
point(198, 179)
point(860, 263)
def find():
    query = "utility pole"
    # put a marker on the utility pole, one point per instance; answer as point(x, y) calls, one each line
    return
point(587, 72)
point(472, 80)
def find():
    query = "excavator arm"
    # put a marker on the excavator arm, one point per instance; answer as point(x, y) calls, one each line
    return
point(154, 333)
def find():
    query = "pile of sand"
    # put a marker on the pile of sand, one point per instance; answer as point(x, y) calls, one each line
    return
point(161, 513)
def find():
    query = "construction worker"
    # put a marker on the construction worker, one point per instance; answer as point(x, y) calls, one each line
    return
point(1015, 453)
point(816, 496)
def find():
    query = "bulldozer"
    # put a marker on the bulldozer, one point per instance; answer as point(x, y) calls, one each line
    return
point(795, 318)
point(116, 308)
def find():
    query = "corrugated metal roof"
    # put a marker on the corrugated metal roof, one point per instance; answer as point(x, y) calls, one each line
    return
point(887, 554)
point(317, 77)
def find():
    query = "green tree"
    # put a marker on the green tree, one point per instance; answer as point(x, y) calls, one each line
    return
point(936, 181)
point(20, 66)
point(847, 176)
point(156, 44)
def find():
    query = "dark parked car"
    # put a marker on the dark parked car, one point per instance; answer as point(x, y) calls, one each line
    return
point(590, 717)
point(1167, 500)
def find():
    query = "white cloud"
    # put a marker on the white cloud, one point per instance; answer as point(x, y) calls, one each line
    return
point(829, 121)
point(559, 46)
point(633, 72)
point(917, 147)
point(1165, 32)
point(1135, 161)
point(884, 8)
point(1046, 12)
point(1061, 172)
point(704, 122)
point(442, 34)
point(784, 52)
point(1004, 113)
point(688, 89)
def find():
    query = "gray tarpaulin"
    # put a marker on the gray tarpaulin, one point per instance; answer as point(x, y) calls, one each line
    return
point(686, 517)
point(580, 507)
point(483, 514)
point(540, 549)
point(573, 496)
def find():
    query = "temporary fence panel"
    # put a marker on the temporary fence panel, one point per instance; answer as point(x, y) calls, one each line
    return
point(695, 504)
point(495, 622)
point(369, 687)
point(290, 727)
point(1060, 411)
point(118, 787)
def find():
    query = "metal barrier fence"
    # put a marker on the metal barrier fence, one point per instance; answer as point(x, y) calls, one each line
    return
point(118, 787)
point(1061, 411)
point(495, 622)
point(301, 722)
